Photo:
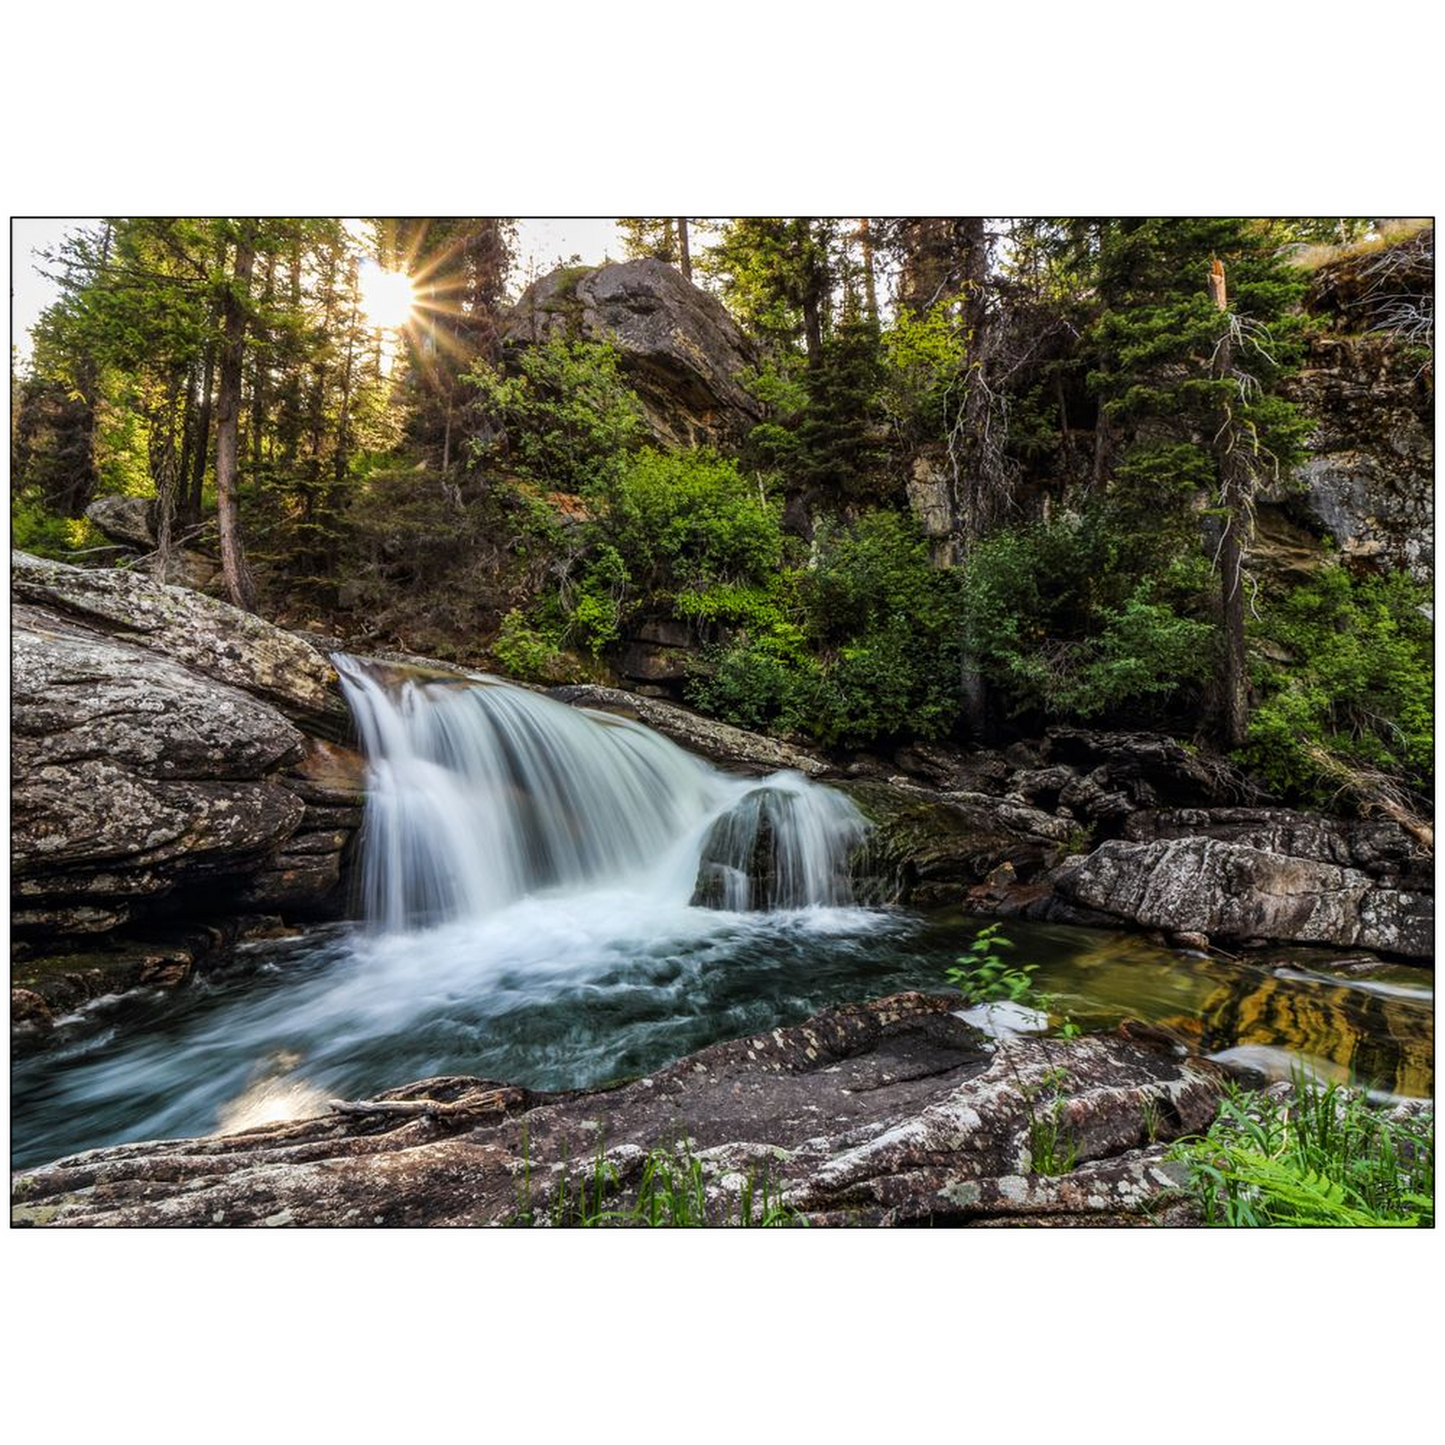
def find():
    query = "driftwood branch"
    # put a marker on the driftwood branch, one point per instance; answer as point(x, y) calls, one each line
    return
point(491, 1101)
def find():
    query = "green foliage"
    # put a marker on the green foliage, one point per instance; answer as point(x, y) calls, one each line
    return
point(984, 978)
point(924, 355)
point(671, 1193)
point(559, 415)
point(36, 529)
point(525, 651)
point(684, 535)
point(1321, 1157)
point(1358, 688)
point(1075, 618)
point(860, 646)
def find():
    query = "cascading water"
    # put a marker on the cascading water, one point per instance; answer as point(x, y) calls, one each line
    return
point(557, 898)
point(484, 794)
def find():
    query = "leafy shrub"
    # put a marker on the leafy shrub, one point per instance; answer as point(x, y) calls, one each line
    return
point(525, 651)
point(34, 528)
point(678, 534)
point(1067, 618)
point(860, 646)
point(558, 414)
point(1359, 686)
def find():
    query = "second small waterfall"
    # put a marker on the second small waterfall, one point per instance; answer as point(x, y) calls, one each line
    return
point(482, 794)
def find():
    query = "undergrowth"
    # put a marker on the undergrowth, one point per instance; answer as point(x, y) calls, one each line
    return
point(670, 1194)
point(1320, 1157)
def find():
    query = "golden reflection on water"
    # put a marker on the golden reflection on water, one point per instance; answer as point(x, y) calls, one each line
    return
point(1375, 1031)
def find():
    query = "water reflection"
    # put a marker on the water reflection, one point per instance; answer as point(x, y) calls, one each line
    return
point(577, 991)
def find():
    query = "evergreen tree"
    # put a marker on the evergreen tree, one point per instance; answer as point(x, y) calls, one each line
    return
point(1186, 370)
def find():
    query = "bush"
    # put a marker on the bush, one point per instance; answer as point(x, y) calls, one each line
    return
point(34, 528)
point(1066, 618)
point(558, 415)
point(1358, 686)
point(526, 651)
point(863, 645)
point(680, 534)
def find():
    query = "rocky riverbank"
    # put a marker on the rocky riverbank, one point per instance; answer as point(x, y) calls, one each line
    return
point(893, 1112)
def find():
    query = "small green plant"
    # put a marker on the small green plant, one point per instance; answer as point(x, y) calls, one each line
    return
point(982, 977)
point(671, 1194)
point(1318, 1157)
point(1052, 1150)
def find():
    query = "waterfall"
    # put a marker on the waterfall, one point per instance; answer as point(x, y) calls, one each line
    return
point(482, 793)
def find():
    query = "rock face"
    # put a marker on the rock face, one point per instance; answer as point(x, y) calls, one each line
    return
point(1235, 892)
point(892, 1112)
point(161, 779)
point(1368, 481)
point(679, 348)
point(202, 633)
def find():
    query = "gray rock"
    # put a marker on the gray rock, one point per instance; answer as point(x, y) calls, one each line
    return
point(678, 346)
point(155, 773)
point(203, 633)
point(1231, 891)
point(883, 1113)
point(719, 742)
point(127, 520)
point(1368, 481)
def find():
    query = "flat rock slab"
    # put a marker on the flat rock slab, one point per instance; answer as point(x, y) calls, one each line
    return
point(890, 1112)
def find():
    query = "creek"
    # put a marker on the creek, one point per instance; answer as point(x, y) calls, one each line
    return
point(562, 899)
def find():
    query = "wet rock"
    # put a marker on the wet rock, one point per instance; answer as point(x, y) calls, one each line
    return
point(893, 1112)
point(1231, 891)
point(720, 743)
point(677, 345)
point(927, 847)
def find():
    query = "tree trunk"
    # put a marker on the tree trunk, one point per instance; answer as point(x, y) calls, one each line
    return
point(683, 253)
point(228, 409)
point(870, 282)
point(1234, 675)
point(201, 446)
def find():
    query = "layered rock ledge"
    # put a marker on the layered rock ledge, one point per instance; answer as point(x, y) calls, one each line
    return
point(892, 1112)
point(171, 775)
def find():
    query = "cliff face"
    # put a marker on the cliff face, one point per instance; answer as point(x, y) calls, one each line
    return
point(1368, 483)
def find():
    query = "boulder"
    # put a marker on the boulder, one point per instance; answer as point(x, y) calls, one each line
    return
point(160, 782)
point(204, 634)
point(679, 349)
point(1236, 892)
point(892, 1112)
point(1376, 846)
point(929, 848)
point(127, 520)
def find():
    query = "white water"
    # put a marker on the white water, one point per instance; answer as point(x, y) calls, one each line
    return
point(483, 795)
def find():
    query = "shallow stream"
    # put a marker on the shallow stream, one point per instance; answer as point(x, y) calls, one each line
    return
point(577, 991)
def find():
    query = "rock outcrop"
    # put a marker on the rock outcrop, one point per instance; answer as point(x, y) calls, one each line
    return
point(893, 1112)
point(1368, 481)
point(167, 774)
point(678, 347)
point(719, 742)
point(1236, 893)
